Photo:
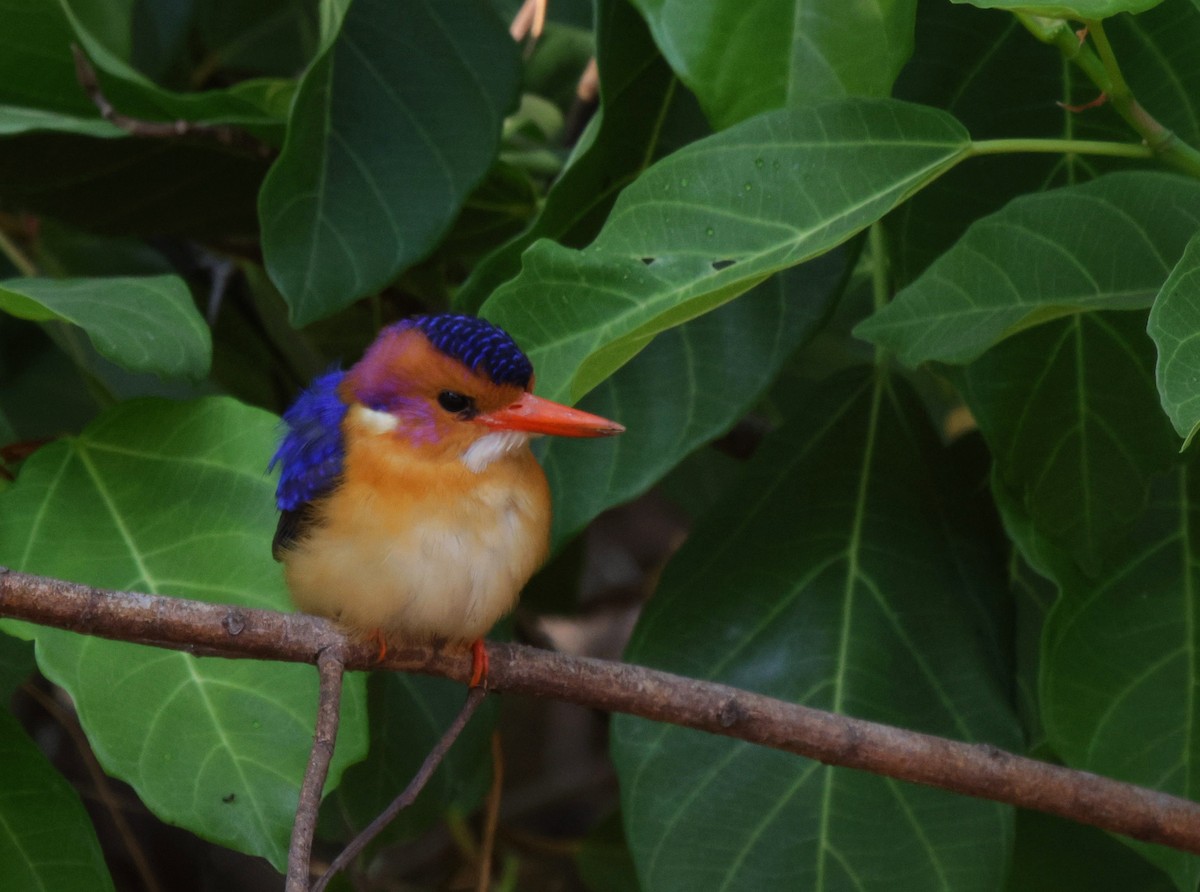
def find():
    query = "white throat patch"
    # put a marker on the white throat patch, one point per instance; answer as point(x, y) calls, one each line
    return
point(492, 446)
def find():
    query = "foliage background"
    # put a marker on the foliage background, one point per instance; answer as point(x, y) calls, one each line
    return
point(909, 346)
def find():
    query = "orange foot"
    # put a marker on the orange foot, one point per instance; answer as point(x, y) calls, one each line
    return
point(479, 664)
point(376, 637)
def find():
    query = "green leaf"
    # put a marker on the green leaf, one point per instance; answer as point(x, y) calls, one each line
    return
point(984, 70)
point(1121, 659)
point(823, 579)
point(711, 221)
point(690, 385)
point(1072, 418)
point(46, 838)
point(15, 119)
point(36, 70)
point(104, 32)
point(269, 37)
point(742, 59)
point(42, 393)
point(1174, 325)
point(1076, 9)
point(173, 499)
point(1041, 257)
point(409, 714)
point(1157, 54)
point(645, 114)
point(146, 324)
point(394, 124)
point(1053, 854)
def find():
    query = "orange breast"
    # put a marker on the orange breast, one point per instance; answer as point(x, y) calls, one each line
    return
point(419, 545)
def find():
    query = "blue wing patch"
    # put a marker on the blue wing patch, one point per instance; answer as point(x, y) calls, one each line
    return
point(310, 456)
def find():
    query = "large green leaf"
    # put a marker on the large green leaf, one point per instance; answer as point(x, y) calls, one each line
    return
point(741, 59)
point(1081, 446)
point(1121, 659)
point(46, 839)
point(147, 324)
point(15, 119)
point(1157, 55)
point(689, 386)
point(35, 59)
point(1053, 855)
point(826, 578)
point(644, 115)
point(173, 499)
point(1073, 9)
point(1175, 327)
point(1070, 412)
point(985, 70)
point(1040, 257)
point(394, 124)
point(711, 221)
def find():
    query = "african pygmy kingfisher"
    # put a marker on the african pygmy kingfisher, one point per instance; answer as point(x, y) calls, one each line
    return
point(410, 504)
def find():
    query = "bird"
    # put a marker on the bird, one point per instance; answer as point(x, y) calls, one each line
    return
point(410, 504)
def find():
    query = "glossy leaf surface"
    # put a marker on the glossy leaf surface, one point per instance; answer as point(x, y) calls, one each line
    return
point(829, 582)
point(1083, 479)
point(711, 221)
point(174, 499)
point(1121, 657)
point(1034, 260)
point(742, 59)
point(1115, 665)
point(688, 387)
point(146, 324)
point(46, 839)
point(1175, 327)
point(1073, 9)
point(394, 124)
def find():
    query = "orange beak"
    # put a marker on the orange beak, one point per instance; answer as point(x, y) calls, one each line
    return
point(538, 416)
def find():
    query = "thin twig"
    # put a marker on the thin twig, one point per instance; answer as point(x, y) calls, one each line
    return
point(971, 769)
point(474, 697)
point(233, 137)
point(329, 700)
point(491, 816)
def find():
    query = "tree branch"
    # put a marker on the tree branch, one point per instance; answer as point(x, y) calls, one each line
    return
point(978, 770)
point(85, 74)
point(409, 794)
point(329, 665)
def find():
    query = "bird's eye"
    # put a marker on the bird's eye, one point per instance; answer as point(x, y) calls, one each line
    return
point(455, 402)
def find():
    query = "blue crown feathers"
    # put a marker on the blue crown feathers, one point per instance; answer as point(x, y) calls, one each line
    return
point(477, 344)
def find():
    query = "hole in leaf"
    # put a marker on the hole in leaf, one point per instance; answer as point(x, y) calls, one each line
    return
point(719, 265)
point(648, 260)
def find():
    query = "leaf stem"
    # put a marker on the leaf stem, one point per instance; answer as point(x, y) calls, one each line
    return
point(16, 256)
point(1063, 146)
point(1102, 69)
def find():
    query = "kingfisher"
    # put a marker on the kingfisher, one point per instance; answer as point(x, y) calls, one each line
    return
point(411, 506)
